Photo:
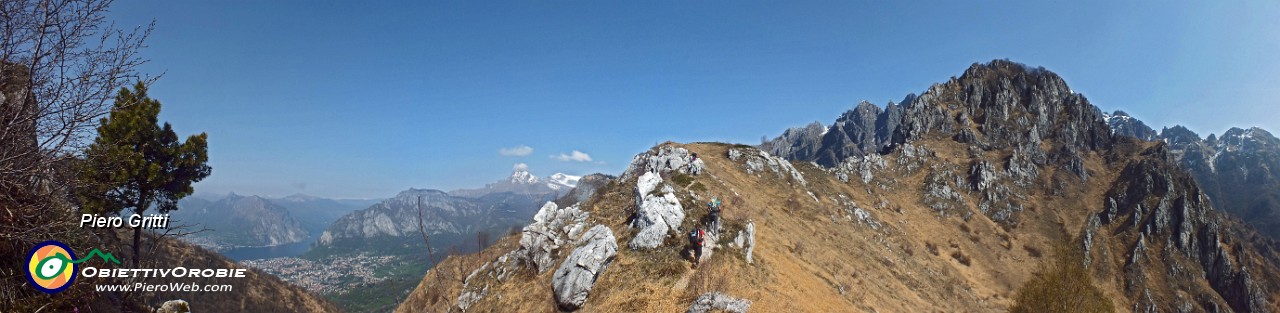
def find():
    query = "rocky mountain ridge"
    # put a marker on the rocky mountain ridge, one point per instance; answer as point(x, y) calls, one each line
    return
point(1003, 105)
point(950, 206)
point(398, 217)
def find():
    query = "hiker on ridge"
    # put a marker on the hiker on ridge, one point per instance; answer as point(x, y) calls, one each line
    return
point(697, 238)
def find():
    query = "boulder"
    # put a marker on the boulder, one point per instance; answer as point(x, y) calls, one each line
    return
point(719, 301)
point(469, 298)
point(756, 162)
point(552, 227)
point(657, 214)
point(572, 282)
point(174, 306)
point(667, 158)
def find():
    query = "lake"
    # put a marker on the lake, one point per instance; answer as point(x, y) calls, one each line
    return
point(285, 250)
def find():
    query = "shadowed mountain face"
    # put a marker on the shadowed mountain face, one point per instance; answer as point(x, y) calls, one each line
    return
point(239, 221)
point(1239, 170)
point(950, 205)
point(1124, 125)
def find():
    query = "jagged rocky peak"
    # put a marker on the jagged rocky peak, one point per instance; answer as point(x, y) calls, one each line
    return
point(520, 175)
point(1179, 135)
point(864, 129)
point(1122, 124)
point(996, 105)
point(1252, 138)
point(800, 142)
point(1003, 104)
point(855, 134)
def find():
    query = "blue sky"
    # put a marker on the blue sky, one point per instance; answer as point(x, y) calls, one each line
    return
point(363, 99)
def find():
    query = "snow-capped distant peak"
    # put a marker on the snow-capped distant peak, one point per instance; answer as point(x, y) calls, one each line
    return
point(523, 177)
point(558, 180)
point(520, 175)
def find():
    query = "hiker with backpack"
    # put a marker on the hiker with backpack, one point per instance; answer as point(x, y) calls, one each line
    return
point(697, 239)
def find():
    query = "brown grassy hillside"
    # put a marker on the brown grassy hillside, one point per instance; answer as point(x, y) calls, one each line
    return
point(813, 254)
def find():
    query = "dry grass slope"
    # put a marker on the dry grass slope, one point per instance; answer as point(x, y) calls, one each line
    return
point(813, 254)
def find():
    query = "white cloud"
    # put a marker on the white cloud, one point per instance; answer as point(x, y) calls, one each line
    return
point(521, 167)
point(576, 156)
point(517, 151)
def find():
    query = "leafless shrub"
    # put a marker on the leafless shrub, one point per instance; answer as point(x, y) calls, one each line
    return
point(798, 248)
point(960, 257)
point(1062, 285)
point(61, 63)
point(712, 276)
point(793, 205)
point(1033, 251)
point(933, 249)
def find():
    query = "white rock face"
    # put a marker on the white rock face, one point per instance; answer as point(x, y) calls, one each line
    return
point(572, 282)
point(757, 161)
point(666, 158)
point(469, 298)
point(552, 227)
point(863, 167)
point(646, 184)
point(718, 301)
point(656, 215)
point(865, 217)
point(751, 240)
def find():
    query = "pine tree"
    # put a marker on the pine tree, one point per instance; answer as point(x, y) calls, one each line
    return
point(136, 163)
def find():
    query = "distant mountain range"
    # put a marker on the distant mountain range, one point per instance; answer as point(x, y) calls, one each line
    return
point(500, 205)
point(524, 183)
point(1239, 170)
point(234, 221)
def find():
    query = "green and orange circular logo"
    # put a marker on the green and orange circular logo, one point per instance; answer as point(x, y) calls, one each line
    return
point(50, 268)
